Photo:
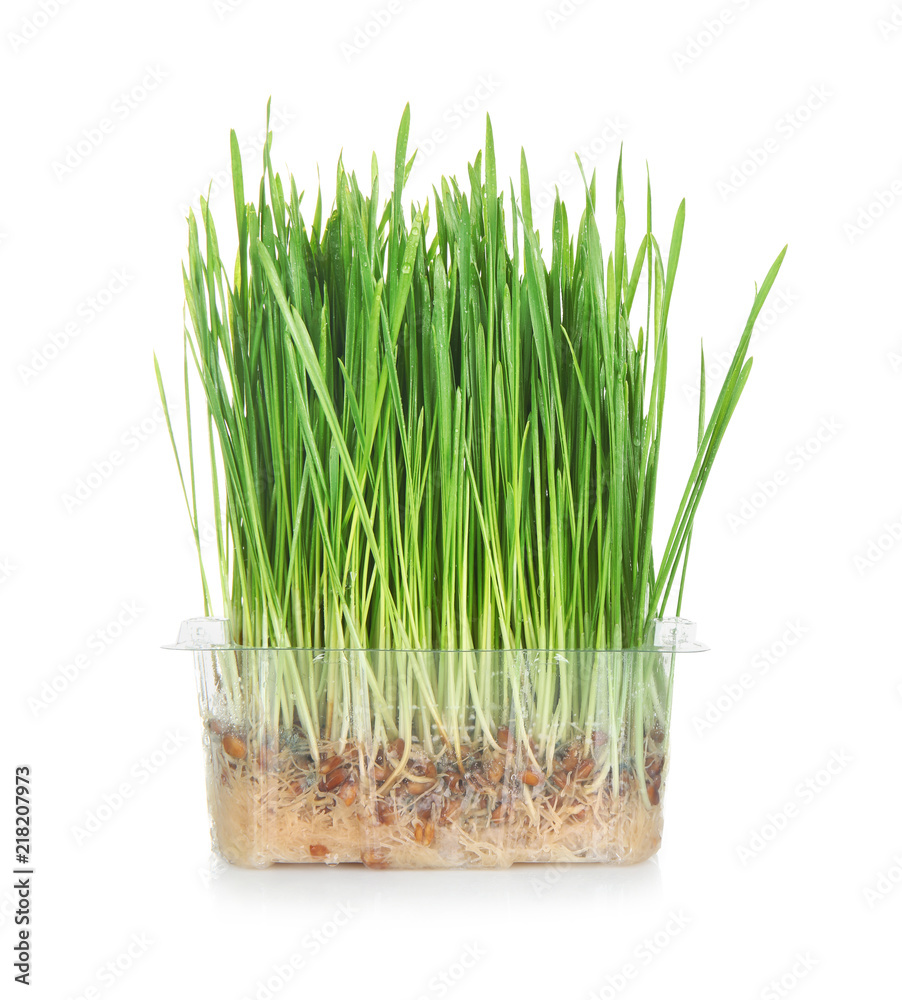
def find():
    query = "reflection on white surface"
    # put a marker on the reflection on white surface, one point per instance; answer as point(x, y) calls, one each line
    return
point(521, 885)
point(442, 932)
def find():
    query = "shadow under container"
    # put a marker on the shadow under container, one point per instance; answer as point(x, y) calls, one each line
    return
point(435, 759)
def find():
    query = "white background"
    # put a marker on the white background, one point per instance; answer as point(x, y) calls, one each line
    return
point(795, 537)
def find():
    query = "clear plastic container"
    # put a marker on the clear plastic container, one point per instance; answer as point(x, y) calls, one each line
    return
point(435, 759)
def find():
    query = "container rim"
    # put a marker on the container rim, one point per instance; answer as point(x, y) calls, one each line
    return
point(672, 635)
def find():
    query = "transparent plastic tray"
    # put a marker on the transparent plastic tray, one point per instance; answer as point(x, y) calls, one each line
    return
point(435, 759)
